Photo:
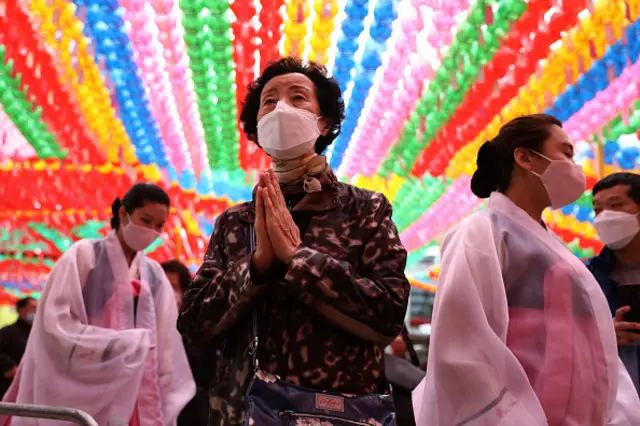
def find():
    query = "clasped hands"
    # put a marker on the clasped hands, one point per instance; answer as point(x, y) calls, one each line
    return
point(277, 235)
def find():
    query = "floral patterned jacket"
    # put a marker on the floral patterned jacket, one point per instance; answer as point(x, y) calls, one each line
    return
point(328, 315)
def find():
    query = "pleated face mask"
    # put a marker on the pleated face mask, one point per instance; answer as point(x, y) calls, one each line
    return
point(287, 132)
point(564, 181)
point(138, 237)
point(616, 229)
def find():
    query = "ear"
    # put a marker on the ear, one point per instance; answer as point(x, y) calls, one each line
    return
point(122, 213)
point(324, 124)
point(523, 158)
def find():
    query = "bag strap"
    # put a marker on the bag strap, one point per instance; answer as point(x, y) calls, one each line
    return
point(409, 344)
point(255, 343)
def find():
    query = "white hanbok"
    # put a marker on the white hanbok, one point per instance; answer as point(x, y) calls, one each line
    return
point(521, 332)
point(88, 350)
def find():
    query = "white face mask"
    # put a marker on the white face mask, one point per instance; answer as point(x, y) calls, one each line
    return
point(564, 181)
point(287, 132)
point(616, 229)
point(138, 237)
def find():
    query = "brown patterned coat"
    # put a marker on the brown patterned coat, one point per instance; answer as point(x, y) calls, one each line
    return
point(330, 313)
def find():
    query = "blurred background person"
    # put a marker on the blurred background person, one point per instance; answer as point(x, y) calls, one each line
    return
point(616, 203)
point(104, 340)
point(179, 276)
point(13, 341)
point(202, 360)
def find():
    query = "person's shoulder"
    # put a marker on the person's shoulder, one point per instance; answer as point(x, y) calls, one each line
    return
point(602, 263)
point(369, 202)
point(473, 231)
point(83, 244)
point(478, 220)
point(235, 212)
point(8, 329)
point(81, 248)
point(361, 194)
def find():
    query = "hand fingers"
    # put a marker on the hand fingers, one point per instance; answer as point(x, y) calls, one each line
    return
point(294, 231)
point(626, 336)
point(269, 186)
point(281, 216)
point(273, 197)
point(623, 325)
point(259, 205)
point(276, 186)
point(623, 310)
point(268, 202)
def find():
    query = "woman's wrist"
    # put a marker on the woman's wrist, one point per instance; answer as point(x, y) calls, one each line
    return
point(259, 263)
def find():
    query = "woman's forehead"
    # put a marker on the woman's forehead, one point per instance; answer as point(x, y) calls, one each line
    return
point(156, 210)
point(559, 136)
point(286, 81)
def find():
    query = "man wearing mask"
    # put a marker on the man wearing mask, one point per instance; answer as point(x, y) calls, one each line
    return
point(13, 341)
point(616, 202)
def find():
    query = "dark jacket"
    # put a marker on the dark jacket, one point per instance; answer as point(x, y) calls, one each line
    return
point(601, 267)
point(203, 363)
point(328, 315)
point(13, 342)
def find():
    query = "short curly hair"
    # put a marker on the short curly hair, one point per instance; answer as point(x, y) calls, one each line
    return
point(327, 90)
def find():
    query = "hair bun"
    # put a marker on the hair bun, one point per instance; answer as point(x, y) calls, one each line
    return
point(486, 155)
point(115, 210)
point(116, 206)
point(484, 180)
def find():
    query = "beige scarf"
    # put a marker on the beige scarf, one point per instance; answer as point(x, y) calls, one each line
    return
point(305, 169)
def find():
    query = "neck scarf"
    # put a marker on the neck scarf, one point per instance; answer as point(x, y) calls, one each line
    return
point(304, 169)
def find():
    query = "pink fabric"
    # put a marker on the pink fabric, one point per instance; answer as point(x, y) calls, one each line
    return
point(135, 419)
point(521, 333)
point(560, 376)
point(148, 410)
point(135, 284)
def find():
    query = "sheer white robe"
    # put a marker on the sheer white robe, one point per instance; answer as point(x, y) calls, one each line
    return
point(86, 351)
point(521, 332)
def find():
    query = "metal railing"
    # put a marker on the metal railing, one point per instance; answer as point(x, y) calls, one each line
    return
point(45, 412)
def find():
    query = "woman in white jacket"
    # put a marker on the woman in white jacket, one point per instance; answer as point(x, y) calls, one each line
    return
point(104, 339)
point(521, 332)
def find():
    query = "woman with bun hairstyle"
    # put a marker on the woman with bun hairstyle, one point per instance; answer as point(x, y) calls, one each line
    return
point(521, 332)
point(104, 339)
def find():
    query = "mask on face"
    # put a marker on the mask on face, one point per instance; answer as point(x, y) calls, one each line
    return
point(564, 181)
point(616, 229)
point(30, 317)
point(138, 237)
point(287, 132)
